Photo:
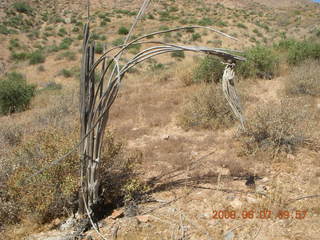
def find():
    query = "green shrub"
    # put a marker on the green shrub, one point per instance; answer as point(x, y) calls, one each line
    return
point(207, 108)
point(4, 30)
point(241, 25)
point(210, 69)
point(178, 54)
point(14, 44)
point(15, 93)
point(36, 57)
point(65, 43)
point(99, 48)
point(62, 32)
point(261, 62)
point(117, 42)
point(205, 22)
point(304, 79)
point(123, 31)
point(69, 55)
point(300, 51)
point(134, 48)
point(19, 56)
point(66, 73)
point(22, 7)
point(195, 37)
point(75, 30)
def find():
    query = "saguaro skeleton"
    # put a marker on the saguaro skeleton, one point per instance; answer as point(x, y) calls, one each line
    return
point(98, 94)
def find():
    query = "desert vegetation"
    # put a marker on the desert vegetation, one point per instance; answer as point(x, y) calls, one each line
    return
point(173, 149)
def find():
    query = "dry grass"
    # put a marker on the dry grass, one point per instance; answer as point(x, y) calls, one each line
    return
point(207, 108)
point(304, 79)
point(279, 128)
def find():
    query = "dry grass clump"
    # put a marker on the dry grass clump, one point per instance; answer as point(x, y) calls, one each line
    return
point(278, 128)
point(304, 79)
point(53, 193)
point(46, 195)
point(207, 108)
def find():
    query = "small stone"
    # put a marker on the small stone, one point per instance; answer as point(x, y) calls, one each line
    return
point(290, 156)
point(165, 137)
point(68, 224)
point(261, 189)
point(252, 200)
point(229, 236)
point(230, 197)
point(236, 203)
point(67, 20)
point(117, 213)
point(143, 218)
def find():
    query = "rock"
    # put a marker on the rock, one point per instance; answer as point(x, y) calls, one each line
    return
point(165, 137)
point(67, 20)
point(130, 209)
point(69, 224)
point(229, 236)
point(290, 156)
point(143, 218)
point(117, 213)
point(261, 189)
point(230, 197)
point(252, 200)
point(236, 203)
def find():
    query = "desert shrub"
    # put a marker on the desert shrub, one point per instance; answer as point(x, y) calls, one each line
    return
point(241, 25)
point(11, 134)
point(207, 108)
point(99, 48)
point(123, 30)
point(277, 128)
point(117, 42)
point(134, 48)
point(71, 56)
point(195, 37)
point(41, 68)
point(36, 57)
point(14, 44)
point(75, 30)
point(304, 79)
point(300, 51)
point(15, 93)
point(209, 69)
point(66, 73)
point(47, 194)
point(22, 56)
point(65, 43)
point(52, 86)
point(22, 7)
point(4, 30)
point(178, 54)
point(62, 32)
point(261, 62)
point(205, 22)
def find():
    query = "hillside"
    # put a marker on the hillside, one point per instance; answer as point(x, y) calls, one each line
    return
point(176, 164)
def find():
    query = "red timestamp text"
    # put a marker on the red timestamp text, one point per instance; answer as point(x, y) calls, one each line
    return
point(259, 214)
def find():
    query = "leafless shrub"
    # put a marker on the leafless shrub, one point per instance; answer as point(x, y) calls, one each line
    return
point(11, 135)
point(207, 108)
point(304, 79)
point(278, 128)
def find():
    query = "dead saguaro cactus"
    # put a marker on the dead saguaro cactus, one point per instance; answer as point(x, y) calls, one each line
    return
point(98, 94)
